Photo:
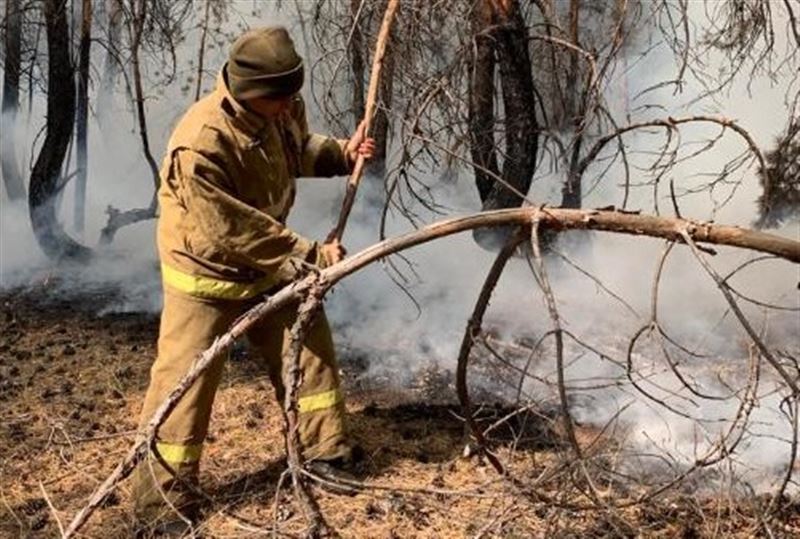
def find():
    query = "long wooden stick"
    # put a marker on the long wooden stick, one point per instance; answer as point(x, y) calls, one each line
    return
point(369, 112)
point(611, 221)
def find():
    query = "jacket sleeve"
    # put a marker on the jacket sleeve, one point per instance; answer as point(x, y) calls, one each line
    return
point(249, 236)
point(320, 155)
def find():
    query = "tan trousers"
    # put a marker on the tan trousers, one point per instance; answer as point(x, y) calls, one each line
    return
point(188, 327)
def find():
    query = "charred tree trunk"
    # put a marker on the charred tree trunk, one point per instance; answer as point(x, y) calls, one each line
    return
point(519, 104)
point(46, 174)
point(379, 129)
point(572, 193)
point(357, 65)
point(481, 100)
point(509, 40)
point(82, 119)
point(12, 175)
point(380, 124)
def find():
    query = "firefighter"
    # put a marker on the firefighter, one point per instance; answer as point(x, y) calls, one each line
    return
point(227, 185)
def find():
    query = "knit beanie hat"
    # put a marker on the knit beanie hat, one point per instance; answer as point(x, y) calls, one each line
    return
point(264, 63)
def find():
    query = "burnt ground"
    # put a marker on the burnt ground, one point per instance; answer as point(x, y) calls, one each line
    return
point(72, 381)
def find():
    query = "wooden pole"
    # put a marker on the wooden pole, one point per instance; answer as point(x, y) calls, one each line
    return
point(369, 111)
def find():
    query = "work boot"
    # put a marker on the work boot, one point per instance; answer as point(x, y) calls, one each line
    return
point(336, 472)
point(335, 475)
point(161, 521)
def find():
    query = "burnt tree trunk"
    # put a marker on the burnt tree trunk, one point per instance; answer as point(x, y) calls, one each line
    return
point(46, 174)
point(12, 176)
point(519, 104)
point(379, 130)
point(502, 37)
point(82, 118)
point(572, 193)
point(380, 124)
point(357, 67)
point(481, 100)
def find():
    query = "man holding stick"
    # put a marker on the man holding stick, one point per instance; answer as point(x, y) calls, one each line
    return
point(227, 185)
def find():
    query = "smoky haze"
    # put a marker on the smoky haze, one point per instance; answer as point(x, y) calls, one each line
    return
point(374, 319)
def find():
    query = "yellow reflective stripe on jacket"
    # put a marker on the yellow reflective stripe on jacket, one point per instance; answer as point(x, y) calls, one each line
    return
point(319, 401)
point(177, 453)
point(206, 287)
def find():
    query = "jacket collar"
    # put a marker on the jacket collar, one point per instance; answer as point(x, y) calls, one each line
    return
point(249, 122)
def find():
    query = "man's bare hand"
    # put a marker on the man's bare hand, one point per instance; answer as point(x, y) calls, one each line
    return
point(360, 144)
point(332, 253)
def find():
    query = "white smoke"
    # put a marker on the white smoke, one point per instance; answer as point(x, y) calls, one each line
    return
point(373, 317)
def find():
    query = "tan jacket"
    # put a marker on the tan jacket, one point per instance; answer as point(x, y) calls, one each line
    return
point(227, 185)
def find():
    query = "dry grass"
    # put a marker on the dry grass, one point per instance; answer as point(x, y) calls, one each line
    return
point(71, 384)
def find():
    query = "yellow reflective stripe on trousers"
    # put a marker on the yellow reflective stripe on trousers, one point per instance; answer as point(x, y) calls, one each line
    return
point(319, 401)
point(179, 454)
point(206, 287)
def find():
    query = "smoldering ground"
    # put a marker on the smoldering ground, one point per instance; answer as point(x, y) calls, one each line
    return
point(376, 321)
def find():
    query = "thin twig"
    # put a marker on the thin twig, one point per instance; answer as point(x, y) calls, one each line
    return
point(52, 509)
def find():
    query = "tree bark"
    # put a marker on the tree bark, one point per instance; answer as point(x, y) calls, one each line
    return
point(292, 379)
point(82, 119)
point(380, 124)
point(12, 175)
point(572, 192)
point(357, 65)
point(481, 100)
point(46, 174)
point(510, 43)
point(379, 130)
point(519, 104)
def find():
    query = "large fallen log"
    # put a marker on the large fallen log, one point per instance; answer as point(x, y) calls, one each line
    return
point(673, 229)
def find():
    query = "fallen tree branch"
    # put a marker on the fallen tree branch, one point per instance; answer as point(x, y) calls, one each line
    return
point(292, 379)
point(611, 221)
point(118, 219)
point(369, 112)
point(791, 381)
point(540, 273)
point(470, 333)
point(552, 309)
